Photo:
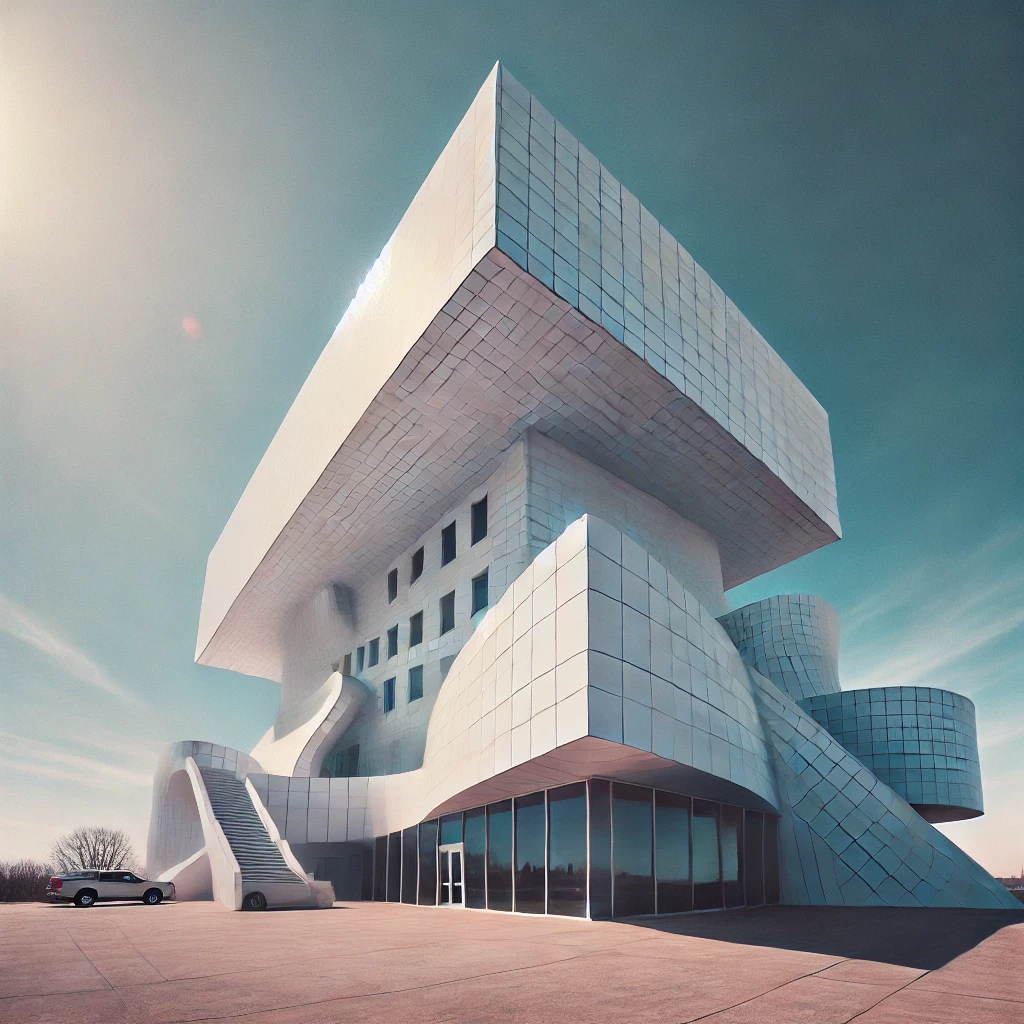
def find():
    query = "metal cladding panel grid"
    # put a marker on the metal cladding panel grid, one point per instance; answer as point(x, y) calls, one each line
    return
point(793, 639)
point(566, 220)
point(920, 740)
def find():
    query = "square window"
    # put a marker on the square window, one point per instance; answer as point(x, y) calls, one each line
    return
point(447, 613)
point(389, 695)
point(346, 665)
point(417, 565)
point(478, 521)
point(374, 651)
point(415, 683)
point(392, 585)
point(393, 642)
point(480, 592)
point(448, 544)
point(416, 629)
point(360, 659)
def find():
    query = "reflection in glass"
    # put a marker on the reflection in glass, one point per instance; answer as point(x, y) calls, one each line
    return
point(732, 868)
point(600, 848)
point(567, 850)
point(394, 866)
point(707, 879)
point(455, 862)
point(499, 856)
point(409, 865)
point(753, 876)
point(530, 853)
point(771, 859)
point(672, 852)
point(428, 863)
point(380, 868)
point(632, 850)
point(476, 854)
point(451, 829)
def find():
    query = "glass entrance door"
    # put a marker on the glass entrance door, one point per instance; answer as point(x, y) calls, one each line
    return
point(450, 880)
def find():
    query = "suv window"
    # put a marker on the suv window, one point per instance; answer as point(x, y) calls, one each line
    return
point(111, 876)
point(77, 876)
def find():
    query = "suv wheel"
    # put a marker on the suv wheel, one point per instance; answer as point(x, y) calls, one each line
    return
point(254, 901)
point(152, 897)
point(85, 898)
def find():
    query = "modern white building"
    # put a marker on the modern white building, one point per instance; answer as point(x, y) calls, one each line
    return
point(486, 558)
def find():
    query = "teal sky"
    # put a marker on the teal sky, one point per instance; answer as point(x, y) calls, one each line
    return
point(849, 174)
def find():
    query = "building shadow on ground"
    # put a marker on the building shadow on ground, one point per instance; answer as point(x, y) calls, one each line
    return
point(919, 937)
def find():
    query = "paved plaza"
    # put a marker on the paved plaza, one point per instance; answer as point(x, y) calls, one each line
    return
point(360, 962)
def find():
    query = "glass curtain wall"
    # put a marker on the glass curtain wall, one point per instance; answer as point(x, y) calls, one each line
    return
point(410, 863)
point(707, 868)
point(672, 852)
point(394, 866)
point(600, 848)
point(499, 856)
point(475, 839)
point(529, 853)
point(428, 863)
point(567, 850)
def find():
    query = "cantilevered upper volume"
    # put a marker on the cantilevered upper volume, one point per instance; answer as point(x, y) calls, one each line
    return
point(523, 288)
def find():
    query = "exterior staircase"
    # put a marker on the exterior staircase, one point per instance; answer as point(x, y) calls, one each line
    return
point(258, 856)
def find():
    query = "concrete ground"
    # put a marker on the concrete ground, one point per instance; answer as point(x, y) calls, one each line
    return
point(381, 962)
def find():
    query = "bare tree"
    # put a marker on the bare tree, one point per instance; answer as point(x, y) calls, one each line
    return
point(104, 848)
point(23, 881)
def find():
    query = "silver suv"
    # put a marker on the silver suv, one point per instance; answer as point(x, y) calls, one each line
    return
point(84, 888)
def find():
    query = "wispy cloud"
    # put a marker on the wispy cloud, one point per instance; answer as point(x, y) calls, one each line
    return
point(946, 623)
point(21, 624)
point(46, 760)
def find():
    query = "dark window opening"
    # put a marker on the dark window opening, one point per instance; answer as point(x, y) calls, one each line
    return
point(415, 683)
point(374, 651)
point(633, 850)
point(389, 695)
point(416, 629)
point(480, 597)
point(360, 659)
point(428, 863)
point(499, 856)
point(392, 585)
point(478, 517)
point(448, 544)
point(447, 613)
point(346, 665)
point(417, 565)
point(529, 814)
point(410, 858)
point(393, 642)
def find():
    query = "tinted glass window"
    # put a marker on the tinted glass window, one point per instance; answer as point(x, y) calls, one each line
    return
point(346, 665)
point(731, 831)
point(476, 856)
point(415, 682)
point(479, 521)
point(499, 856)
point(448, 544)
point(393, 642)
point(416, 629)
point(480, 592)
point(632, 850)
point(600, 848)
point(428, 863)
point(360, 659)
point(110, 876)
point(753, 878)
point(447, 613)
point(389, 695)
point(380, 868)
point(530, 853)
point(567, 850)
point(451, 829)
point(672, 852)
point(394, 866)
point(707, 884)
point(374, 651)
point(417, 565)
point(392, 585)
point(410, 858)
point(771, 859)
